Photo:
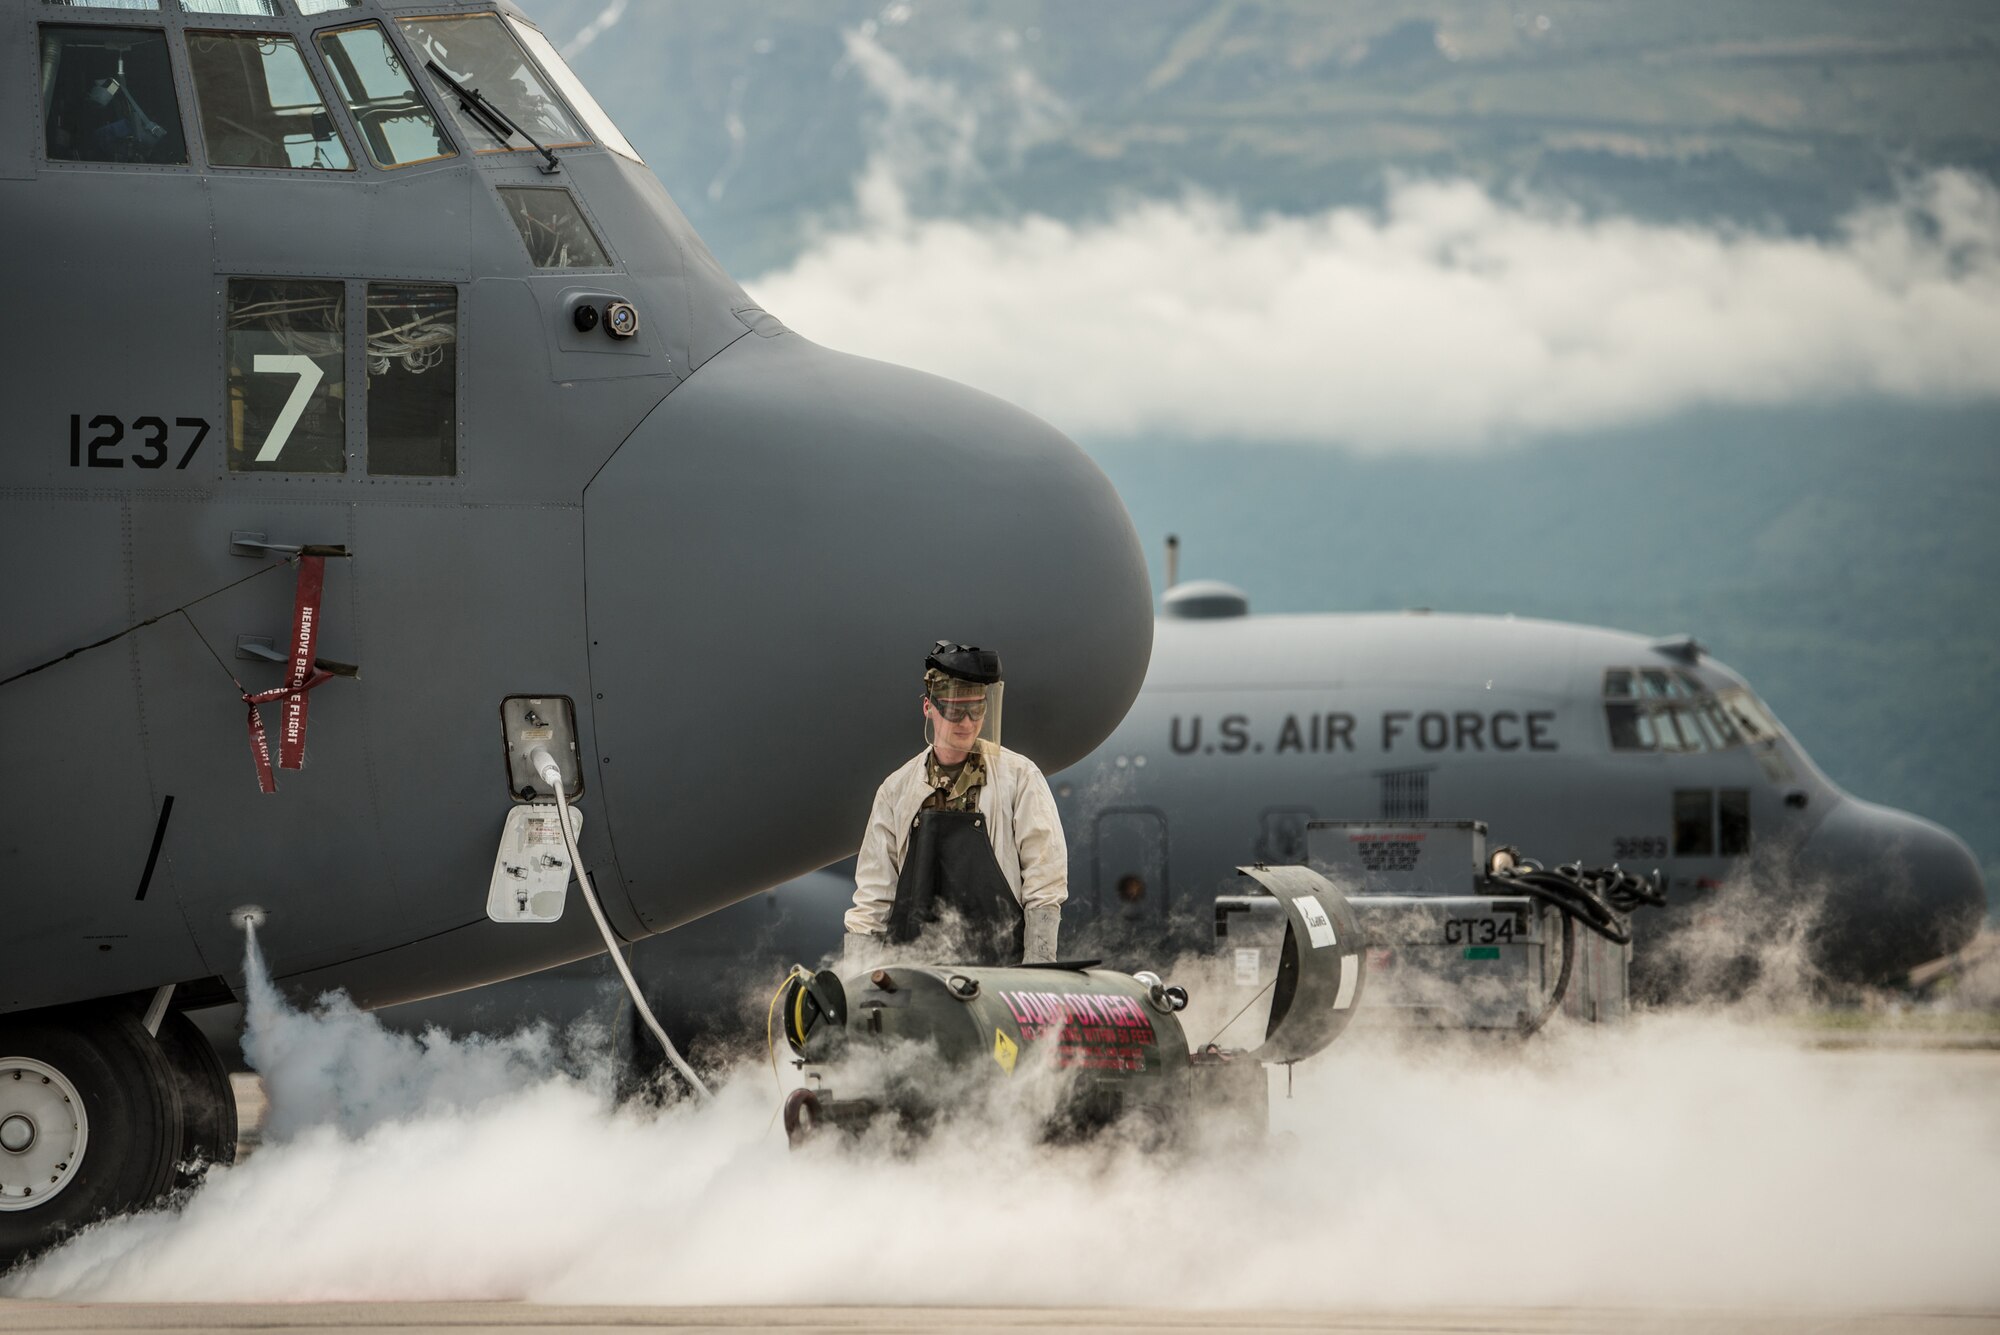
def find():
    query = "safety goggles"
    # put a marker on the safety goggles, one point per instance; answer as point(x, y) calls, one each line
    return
point(958, 711)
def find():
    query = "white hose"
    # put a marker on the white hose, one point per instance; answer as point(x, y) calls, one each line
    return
point(546, 766)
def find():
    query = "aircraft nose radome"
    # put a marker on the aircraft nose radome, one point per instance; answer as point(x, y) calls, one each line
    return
point(1901, 891)
point(770, 555)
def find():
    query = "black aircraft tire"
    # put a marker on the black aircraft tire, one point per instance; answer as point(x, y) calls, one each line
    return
point(132, 1108)
point(208, 1103)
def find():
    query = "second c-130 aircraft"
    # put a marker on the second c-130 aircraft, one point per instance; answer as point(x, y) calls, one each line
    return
point(1574, 743)
point(376, 422)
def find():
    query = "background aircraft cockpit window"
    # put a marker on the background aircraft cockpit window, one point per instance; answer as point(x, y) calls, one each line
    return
point(1659, 684)
point(285, 354)
point(1703, 718)
point(1753, 722)
point(1719, 722)
point(572, 88)
point(1631, 727)
point(1674, 711)
point(554, 231)
point(1687, 718)
point(480, 53)
point(397, 128)
point(106, 4)
point(259, 106)
point(412, 380)
point(311, 7)
point(1669, 738)
point(1667, 721)
point(108, 96)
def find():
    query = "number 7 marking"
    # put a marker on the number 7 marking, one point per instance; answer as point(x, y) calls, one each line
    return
point(194, 444)
point(309, 376)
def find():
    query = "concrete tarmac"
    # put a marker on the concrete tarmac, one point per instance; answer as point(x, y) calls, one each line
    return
point(1929, 1064)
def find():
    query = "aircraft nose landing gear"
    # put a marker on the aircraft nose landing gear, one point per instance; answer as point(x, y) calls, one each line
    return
point(95, 1114)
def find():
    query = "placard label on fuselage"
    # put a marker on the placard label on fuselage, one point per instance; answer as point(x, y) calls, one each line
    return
point(1391, 730)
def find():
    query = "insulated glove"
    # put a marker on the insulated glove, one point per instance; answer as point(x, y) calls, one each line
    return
point(1040, 940)
point(860, 950)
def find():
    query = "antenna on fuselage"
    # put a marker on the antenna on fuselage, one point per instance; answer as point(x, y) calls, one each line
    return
point(1173, 560)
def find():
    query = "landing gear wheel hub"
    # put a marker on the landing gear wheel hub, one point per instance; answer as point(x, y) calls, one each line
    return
point(43, 1132)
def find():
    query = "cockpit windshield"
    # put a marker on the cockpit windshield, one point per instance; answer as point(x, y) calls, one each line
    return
point(572, 88)
point(479, 52)
point(1661, 709)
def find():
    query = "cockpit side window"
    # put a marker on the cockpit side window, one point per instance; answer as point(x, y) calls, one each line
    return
point(397, 128)
point(572, 88)
point(312, 7)
point(479, 53)
point(108, 96)
point(556, 234)
point(259, 105)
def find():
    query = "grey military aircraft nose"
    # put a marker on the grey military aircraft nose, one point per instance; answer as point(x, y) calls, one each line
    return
point(632, 526)
point(1899, 890)
point(885, 509)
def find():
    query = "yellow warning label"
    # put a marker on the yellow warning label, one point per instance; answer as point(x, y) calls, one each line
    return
point(1005, 1050)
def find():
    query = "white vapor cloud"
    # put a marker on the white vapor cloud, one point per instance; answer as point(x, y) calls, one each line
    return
point(1682, 1160)
point(1450, 317)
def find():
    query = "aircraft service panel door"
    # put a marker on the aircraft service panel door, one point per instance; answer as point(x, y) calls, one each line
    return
point(1131, 865)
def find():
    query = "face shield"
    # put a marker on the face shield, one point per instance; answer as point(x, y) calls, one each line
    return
point(959, 714)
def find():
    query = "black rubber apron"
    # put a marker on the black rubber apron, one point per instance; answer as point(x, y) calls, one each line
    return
point(951, 877)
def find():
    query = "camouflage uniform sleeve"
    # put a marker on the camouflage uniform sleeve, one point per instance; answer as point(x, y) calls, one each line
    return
point(1038, 840)
point(877, 866)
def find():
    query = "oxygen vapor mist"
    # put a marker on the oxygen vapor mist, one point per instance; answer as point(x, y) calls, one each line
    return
point(1682, 1159)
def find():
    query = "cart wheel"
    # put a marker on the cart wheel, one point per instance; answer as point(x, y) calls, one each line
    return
point(801, 1116)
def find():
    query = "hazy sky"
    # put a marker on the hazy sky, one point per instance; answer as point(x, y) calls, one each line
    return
point(1447, 317)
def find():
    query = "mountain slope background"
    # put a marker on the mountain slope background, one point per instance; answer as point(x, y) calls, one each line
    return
point(1838, 550)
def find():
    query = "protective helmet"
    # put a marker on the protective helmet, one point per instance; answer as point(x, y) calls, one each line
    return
point(961, 684)
point(967, 662)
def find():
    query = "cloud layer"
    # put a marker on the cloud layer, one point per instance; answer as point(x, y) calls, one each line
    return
point(1448, 318)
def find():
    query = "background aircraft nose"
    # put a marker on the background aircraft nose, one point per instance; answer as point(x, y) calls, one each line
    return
point(769, 557)
point(1900, 891)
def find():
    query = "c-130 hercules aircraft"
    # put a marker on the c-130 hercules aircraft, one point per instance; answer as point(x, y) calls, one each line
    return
point(361, 368)
point(1574, 743)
